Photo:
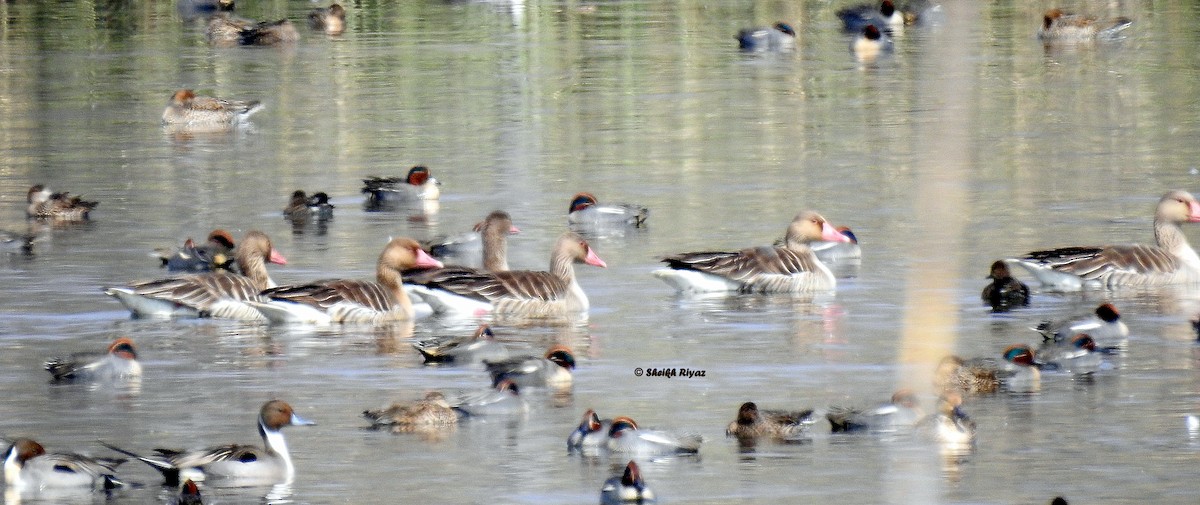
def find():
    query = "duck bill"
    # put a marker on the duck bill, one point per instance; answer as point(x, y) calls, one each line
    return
point(830, 234)
point(277, 258)
point(424, 260)
point(594, 260)
point(300, 421)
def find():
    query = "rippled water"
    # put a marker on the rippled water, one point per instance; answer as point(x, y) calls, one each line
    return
point(971, 142)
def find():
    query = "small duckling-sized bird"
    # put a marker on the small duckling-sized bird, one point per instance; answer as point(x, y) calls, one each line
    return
point(779, 37)
point(118, 363)
point(1005, 291)
point(28, 468)
point(190, 112)
point(56, 206)
point(331, 20)
point(778, 424)
point(1061, 26)
point(430, 412)
point(626, 488)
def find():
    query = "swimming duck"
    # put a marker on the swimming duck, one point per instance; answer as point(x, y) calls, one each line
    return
point(884, 16)
point(57, 206)
point(191, 112)
point(547, 294)
point(219, 294)
point(347, 300)
point(779, 37)
point(331, 20)
point(868, 45)
point(118, 363)
point(1104, 326)
point(1018, 373)
point(585, 210)
point(553, 370)
point(1076, 355)
point(792, 268)
point(784, 425)
point(1005, 291)
point(269, 33)
point(302, 208)
point(1061, 26)
point(29, 468)
point(416, 186)
point(215, 253)
point(1170, 261)
point(189, 494)
point(900, 414)
point(432, 411)
point(624, 437)
point(234, 463)
point(626, 488)
point(591, 435)
point(502, 400)
point(488, 239)
point(949, 425)
point(478, 347)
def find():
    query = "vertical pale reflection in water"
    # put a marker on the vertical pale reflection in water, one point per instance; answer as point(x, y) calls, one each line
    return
point(940, 212)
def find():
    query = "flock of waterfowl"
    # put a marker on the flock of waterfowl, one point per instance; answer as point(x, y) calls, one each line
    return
point(224, 278)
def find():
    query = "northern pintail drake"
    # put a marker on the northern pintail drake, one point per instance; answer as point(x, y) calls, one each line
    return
point(189, 494)
point(591, 435)
point(57, 206)
point(950, 425)
point(1104, 325)
point(477, 347)
point(303, 208)
point(416, 186)
point(119, 362)
point(215, 253)
point(779, 424)
point(349, 300)
point(530, 294)
point(1005, 291)
point(235, 464)
point(1170, 261)
point(626, 488)
point(553, 370)
point(488, 239)
point(1077, 355)
point(870, 44)
point(791, 268)
point(836, 252)
point(29, 468)
point(900, 414)
point(190, 112)
point(778, 37)
point(502, 400)
point(884, 16)
point(624, 437)
point(585, 210)
point(432, 411)
point(1061, 26)
point(331, 20)
point(218, 294)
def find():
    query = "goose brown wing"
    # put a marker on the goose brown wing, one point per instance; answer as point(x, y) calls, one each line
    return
point(745, 264)
point(491, 286)
point(326, 294)
point(1094, 262)
point(199, 290)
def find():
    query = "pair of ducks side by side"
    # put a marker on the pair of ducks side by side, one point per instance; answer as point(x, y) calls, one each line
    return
point(622, 436)
point(226, 30)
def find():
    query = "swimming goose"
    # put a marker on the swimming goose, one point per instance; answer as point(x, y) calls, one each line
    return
point(553, 293)
point(1170, 261)
point(214, 294)
point(791, 268)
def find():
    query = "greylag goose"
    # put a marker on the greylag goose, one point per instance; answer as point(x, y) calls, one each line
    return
point(489, 238)
point(1170, 261)
point(791, 268)
point(214, 294)
point(352, 301)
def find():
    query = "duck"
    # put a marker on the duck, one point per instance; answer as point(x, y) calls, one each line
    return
point(347, 300)
point(188, 111)
point(29, 468)
point(783, 425)
point(189, 494)
point(949, 425)
point(530, 294)
point(13, 242)
point(791, 268)
point(234, 464)
point(1018, 373)
point(1076, 355)
point(837, 252)
point(901, 413)
point(225, 29)
point(302, 208)
point(269, 33)
point(1170, 261)
point(219, 294)
point(883, 16)
point(626, 488)
point(331, 20)
point(1104, 325)
point(57, 206)
point(591, 434)
point(778, 37)
point(1005, 292)
point(488, 239)
point(626, 438)
point(870, 44)
point(552, 370)
point(504, 399)
point(478, 347)
point(586, 211)
point(431, 411)
point(418, 185)
point(215, 253)
point(119, 362)
point(1061, 26)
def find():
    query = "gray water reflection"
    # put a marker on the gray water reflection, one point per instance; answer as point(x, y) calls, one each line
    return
point(519, 105)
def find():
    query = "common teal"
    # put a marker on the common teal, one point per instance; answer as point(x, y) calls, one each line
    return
point(898, 415)
point(234, 464)
point(190, 112)
point(418, 185)
point(1104, 325)
point(219, 294)
point(870, 44)
point(189, 494)
point(1061, 26)
point(792, 268)
point(331, 20)
point(351, 301)
point(1076, 355)
point(477, 347)
point(950, 425)
point(520, 293)
point(1170, 261)
point(119, 362)
point(884, 16)
point(430, 412)
point(215, 253)
point(784, 425)
point(502, 400)
point(591, 435)
point(28, 468)
point(624, 437)
point(552, 371)
point(586, 212)
point(303, 208)
point(56, 206)
point(626, 488)
point(778, 37)
point(1005, 292)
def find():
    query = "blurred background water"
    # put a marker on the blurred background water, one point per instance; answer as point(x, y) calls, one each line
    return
point(972, 142)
